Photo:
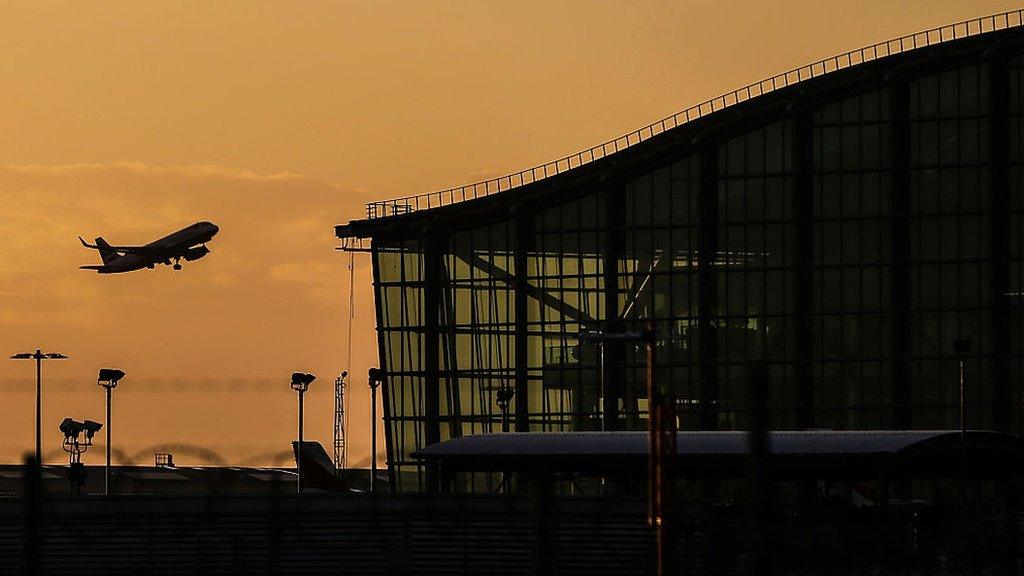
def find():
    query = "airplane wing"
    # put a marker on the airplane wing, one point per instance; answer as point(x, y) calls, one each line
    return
point(122, 249)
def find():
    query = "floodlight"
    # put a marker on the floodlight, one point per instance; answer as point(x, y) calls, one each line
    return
point(301, 381)
point(505, 395)
point(91, 428)
point(71, 428)
point(376, 378)
point(39, 356)
point(109, 377)
point(110, 374)
point(75, 447)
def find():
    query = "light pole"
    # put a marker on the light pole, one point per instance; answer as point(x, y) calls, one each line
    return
point(300, 383)
point(108, 379)
point(962, 347)
point(339, 423)
point(72, 429)
point(661, 434)
point(376, 378)
point(39, 356)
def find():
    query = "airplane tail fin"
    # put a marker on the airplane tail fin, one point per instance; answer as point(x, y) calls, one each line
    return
point(107, 253)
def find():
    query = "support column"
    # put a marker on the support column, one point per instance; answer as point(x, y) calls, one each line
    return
point(899, 270)
point(707, 287)
point(614, 204)
point(385, 388)
point(999, 228)
point(803, 268)
point(431, 346)
point(523, 247)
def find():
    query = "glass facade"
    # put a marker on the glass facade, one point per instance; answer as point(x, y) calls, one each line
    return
point(844, 243)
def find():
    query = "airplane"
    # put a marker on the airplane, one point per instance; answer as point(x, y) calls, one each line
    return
point(188, 243)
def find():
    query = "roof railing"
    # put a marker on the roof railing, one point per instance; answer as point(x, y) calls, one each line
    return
point(967, 28)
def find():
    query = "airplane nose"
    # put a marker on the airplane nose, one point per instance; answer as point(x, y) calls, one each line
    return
point(214, 228)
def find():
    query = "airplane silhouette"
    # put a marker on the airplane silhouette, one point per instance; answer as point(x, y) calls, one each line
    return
point(188, 243)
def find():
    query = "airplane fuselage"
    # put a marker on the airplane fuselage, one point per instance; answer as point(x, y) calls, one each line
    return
point(187, 243)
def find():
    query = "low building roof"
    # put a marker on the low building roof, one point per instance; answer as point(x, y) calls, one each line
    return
point(821, 453)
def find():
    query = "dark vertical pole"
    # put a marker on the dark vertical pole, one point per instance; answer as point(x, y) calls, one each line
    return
point(448, 349)
point(999, 241)
point(611, 350)
point(431, 361)
point(758, 530)
point(106, 478)
point(883, 515)
point(373, 436)
point(707, 287)
point(542, 502)
point(661, 456)
point(963, 400)
point(39, 406)
point(523, 245)
point(899, 271)
point(653, 489)
point(607, 409)
point(298, 452)
point(274, 528)
point(382, 355)
point(33, 493)
point(1011, 540)
point(803, 262)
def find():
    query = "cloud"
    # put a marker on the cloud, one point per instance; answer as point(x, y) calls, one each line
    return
point(321, 280)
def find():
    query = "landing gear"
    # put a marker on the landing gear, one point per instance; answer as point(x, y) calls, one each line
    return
point(177, 264)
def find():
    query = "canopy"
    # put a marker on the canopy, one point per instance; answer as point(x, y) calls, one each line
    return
point(811, 453)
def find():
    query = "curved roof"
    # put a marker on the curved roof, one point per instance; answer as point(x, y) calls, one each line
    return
point(854, 58)
point(832, 453)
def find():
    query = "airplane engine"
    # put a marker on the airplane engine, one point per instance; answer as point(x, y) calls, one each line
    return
point(196, 253)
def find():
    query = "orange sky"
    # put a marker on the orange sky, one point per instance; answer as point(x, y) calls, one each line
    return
point(278, 120)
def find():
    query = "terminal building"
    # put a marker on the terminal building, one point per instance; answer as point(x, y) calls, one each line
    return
point(843, 225)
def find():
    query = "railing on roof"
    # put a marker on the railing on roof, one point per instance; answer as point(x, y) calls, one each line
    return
point(967, 28)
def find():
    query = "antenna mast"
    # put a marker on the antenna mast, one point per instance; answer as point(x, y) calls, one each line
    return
point(339, 423)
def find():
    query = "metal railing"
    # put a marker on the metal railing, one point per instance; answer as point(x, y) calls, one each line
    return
point(967, 28)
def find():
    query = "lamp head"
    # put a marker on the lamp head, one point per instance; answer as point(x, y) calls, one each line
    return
point(376, 376)
point(301, 381)
point(505, 395)
point(71, 428)
point(91, 428)
point(109, 377)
